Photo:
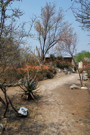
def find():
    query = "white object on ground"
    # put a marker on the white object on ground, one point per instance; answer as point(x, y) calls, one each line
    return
point(84, 88)
point(2, 127)
point(23, 111)
point(74, 86)
point(69, 72)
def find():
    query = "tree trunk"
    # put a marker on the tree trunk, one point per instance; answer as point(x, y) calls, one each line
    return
point(42, 58)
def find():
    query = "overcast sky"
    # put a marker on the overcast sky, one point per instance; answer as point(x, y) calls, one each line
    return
point(33, 7)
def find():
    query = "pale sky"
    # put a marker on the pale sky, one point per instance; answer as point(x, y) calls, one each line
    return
point(33, 7)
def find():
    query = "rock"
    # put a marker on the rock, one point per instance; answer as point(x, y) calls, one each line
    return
point(74, 86)
point(69, 72)
point(45, 78)
point(65, 70)
point(84, 88)
point(73, 71)
point(85, 78)
point(23, 111)
point(59, 70)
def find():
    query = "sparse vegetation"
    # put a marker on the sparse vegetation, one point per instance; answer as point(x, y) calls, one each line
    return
point(24, 66)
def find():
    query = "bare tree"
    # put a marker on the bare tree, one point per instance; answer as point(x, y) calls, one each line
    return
point(81, 10)
point(49, 28)
point(67, 42)
point(8, 46)
point(8, 43)
point(5, 6)
point(67, 45)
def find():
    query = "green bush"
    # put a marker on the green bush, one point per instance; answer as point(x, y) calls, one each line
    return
point(84, 56)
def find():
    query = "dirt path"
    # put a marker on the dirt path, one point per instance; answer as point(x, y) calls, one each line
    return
point(60, 111)
point(49, 85)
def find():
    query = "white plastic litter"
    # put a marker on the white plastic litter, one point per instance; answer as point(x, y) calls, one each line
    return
point(23, 111)
point(84, 88)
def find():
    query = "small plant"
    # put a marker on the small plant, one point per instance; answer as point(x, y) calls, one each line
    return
point(29, 85)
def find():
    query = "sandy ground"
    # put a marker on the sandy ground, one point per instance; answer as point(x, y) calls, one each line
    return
point(59, 111)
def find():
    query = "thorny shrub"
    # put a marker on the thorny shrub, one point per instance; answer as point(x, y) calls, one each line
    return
point(13, 74)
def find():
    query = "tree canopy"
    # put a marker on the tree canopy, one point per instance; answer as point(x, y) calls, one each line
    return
point(49, 28)
point(83, 56)
point(81, 10)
